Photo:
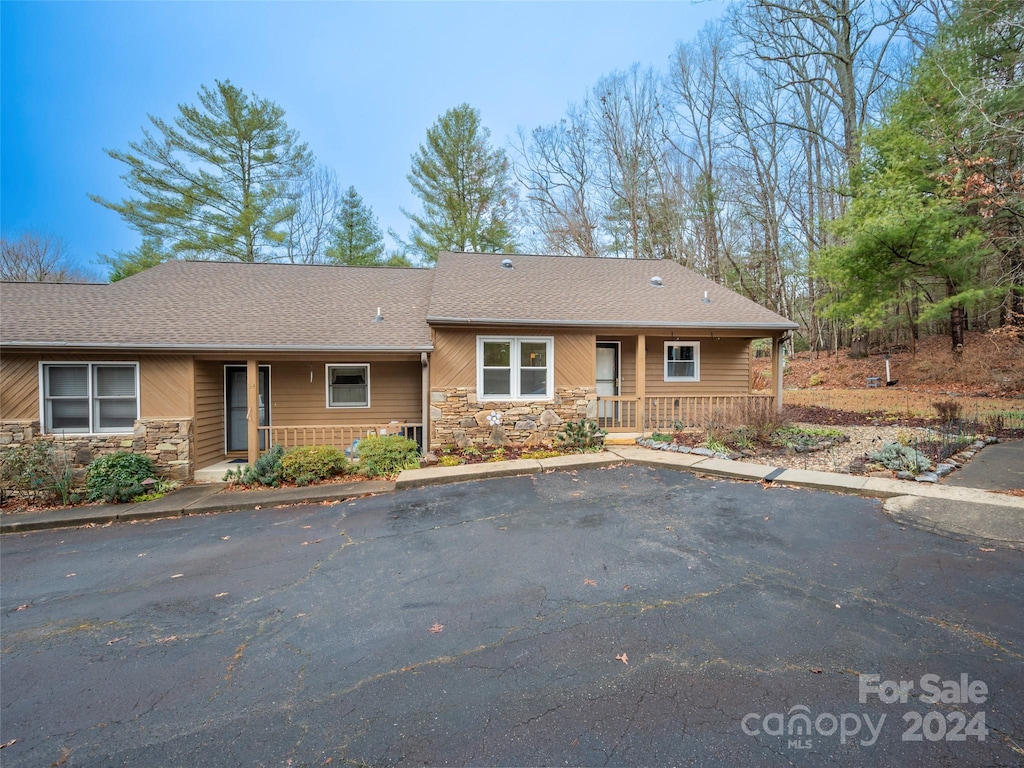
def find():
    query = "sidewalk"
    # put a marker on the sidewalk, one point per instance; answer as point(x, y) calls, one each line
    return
point(963, 512)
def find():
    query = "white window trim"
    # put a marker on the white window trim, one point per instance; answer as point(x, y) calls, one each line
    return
point(696, 360)
point(327, 377)
point(89, 387)
point(514, 350)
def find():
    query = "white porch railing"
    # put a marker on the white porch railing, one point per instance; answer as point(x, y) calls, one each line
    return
point(671, 412)
point(340, 436)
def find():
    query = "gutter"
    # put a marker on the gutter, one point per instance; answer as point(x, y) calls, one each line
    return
point(213, 347)
point(788, 325)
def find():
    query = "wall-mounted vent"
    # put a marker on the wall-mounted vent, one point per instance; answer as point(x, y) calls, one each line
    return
point(657, 282)
point(706, 300)
point(506, 263)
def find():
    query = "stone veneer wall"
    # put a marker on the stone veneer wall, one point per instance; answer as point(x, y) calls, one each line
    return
point(168, 442)
point(457, 417)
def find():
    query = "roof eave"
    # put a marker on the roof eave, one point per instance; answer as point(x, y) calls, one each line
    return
point(218, 347)
point(785, 325)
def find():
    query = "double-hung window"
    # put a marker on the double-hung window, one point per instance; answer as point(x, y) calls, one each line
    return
point(89, 398)
point(348, 386)
point(514, 368)
point(682, 361)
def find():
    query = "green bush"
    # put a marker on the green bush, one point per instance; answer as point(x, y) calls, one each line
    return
point(450, 461)
point(117, 477)
point(266, 470)
point(581, 436)
point(312, 464)
point(387, 456)
point(38, 470)
point(540, 453)
point(901, 458)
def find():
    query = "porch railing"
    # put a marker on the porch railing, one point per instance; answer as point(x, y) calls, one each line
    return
point(666, 413)
point(340, 436)
point(618, 414)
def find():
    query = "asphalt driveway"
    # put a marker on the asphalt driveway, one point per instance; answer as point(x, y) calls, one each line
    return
point(622, 616)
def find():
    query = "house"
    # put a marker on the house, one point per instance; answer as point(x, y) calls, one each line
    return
point(198, 362)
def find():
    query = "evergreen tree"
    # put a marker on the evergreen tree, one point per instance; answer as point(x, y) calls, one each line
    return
point(469, 202)
point(356, 239)
point(212, 183)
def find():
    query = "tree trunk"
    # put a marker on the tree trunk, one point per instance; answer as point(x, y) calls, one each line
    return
point(859, 346)
point(957, 322)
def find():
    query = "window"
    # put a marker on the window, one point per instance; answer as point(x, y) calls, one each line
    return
point(90, 397)
point(682, 361)
point(514, 368)
point(348, 386)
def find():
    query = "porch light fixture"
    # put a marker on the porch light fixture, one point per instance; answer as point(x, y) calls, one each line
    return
point(657, 282)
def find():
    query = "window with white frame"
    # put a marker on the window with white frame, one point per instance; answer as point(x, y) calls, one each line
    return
point(682, 361)
point(514, 367)
point(348, 386)
point(89, 398)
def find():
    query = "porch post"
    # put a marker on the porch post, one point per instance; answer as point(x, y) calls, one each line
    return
point(252, 404)
point(641, 380)
point(425, 399)
point(777, 371)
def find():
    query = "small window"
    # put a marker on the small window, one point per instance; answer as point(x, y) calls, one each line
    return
point(89, 398)
point(348, 386)
point(682, 361)
point(514, 368)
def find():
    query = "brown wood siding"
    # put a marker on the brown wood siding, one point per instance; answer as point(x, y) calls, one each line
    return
point(166, 386)
point(453, 362)
point(724, 368)
point(165, 383)
point(295, 400)
point(19, 386)
point(209, 412)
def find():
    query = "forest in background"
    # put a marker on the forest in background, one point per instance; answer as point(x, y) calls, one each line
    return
point(855, 165)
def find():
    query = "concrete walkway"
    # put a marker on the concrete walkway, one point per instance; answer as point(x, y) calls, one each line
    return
point(964, 512)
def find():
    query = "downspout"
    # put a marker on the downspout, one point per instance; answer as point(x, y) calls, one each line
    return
point(425, 396)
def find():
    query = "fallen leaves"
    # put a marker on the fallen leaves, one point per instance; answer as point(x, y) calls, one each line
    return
point(177, 575)
point(224, 538)
point(623, 658)
point(221, 594)
point(315, 541)
point(589, 583)
point(117, 639)
point(70, 575)
point(8, 743)
point(23, 607)
point(436, 629)
point(168, 639)
point(986, 549)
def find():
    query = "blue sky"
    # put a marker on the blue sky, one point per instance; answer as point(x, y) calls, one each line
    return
point(360, 81)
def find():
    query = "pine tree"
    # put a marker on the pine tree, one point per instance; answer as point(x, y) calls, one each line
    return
point(469, 202)
point(212, 183)
point(357, 239)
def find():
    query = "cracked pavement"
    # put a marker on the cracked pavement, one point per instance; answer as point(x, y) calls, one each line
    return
point(480, 624)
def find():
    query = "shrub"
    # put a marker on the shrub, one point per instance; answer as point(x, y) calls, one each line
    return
point(816, 379)
point(660, 437)
point(580, 436)
point(37, 469)
point(312, 464)
point(541, 453)
point(385, 456)
point(450, 461)
point(901, 458)
point(266, 470)
point(117, 477)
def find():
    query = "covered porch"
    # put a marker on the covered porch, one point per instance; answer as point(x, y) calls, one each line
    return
point(655, 382)
point(245, 406)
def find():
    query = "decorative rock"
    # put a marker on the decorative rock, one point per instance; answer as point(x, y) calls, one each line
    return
point(467, 423)
point(702, 451)
point(525, 424)
point(978, 444)
point(944, 469)
point(461, 439)
point(429, 459)
point(685, 449)
point(482, 417)
point(498, 437)
point(991, 439)
point(520, 411)
point(967, 455)
point(549, 418)
point(904, 475)
point(927, 477)
point(84, 456)
point(720, 455)
point(591, 409)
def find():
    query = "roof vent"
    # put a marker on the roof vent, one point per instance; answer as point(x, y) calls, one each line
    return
point(506, 263)
point(657, 282)
point(379, 318)
point(706, 300)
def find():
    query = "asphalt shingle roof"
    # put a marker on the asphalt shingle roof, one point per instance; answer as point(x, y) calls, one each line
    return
point(218, 305)
point(559, 290)
point(202, 305)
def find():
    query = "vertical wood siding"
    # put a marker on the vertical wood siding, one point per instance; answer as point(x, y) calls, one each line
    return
point(724, 368)
point(453, 362)
point(209, 412)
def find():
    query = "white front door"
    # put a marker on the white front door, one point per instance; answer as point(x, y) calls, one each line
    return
point(607, 378)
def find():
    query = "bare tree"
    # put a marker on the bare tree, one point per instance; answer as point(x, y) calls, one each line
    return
point(39, 258)
point(317, 198)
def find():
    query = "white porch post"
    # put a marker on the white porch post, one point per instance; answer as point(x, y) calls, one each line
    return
point(641, 380)
point(777, 371)
point(252, 404)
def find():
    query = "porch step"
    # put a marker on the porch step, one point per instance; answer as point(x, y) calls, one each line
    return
point(621, 438)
